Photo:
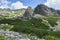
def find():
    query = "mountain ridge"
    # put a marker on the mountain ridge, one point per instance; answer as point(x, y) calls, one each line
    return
point(41, 10)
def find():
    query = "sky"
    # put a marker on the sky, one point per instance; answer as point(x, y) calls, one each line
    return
point(18, 4)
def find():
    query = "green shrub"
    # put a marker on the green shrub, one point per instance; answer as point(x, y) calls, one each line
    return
point(51, 38)
point(2, 38)
point(38, 27)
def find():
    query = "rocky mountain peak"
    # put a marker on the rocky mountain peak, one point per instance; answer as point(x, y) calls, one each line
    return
point(45, 10)
point(28, 13)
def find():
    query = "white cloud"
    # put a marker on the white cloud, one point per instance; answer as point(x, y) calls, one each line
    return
point(53, 3)
point(4, 4)
point(3, 7)
point(18, 5)
point(4, 1)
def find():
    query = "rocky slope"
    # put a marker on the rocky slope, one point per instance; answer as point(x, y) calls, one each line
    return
point(16, 14)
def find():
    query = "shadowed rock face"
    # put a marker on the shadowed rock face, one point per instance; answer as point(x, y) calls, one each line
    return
point(44, 10)
point(58, 11)
point(28, 13)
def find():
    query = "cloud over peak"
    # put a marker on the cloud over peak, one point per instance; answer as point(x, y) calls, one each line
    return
point(53, 3)
point(18, 5)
